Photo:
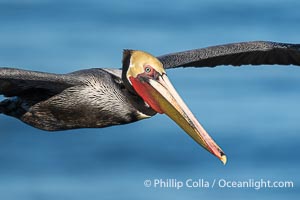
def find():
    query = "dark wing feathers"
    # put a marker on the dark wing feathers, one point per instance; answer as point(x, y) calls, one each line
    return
point(15, 82)
point(236, 54)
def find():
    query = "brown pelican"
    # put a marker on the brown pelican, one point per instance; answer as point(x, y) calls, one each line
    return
point(105, 97)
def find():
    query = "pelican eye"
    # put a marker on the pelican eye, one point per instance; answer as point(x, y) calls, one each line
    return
point(147, 69)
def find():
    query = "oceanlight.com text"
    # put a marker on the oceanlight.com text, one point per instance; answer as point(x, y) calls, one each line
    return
point(256, 184)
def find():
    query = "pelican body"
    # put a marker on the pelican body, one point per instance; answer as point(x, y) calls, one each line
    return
point(96, 98)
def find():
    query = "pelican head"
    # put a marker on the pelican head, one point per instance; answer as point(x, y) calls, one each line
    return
point(147, 77)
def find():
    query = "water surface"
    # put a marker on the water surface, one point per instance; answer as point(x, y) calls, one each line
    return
point(252, 112)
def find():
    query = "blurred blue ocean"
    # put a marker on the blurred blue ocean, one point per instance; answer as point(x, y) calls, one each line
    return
point(252, 112)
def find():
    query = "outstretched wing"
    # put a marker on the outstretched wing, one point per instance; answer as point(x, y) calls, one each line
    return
point(17, 82)
point(236, 54)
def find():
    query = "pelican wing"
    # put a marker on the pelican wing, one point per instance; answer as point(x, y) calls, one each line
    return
point(16, 82)
point(236, 54)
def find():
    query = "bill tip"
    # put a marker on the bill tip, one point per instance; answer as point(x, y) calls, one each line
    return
point(223, 159)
